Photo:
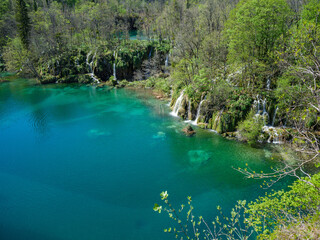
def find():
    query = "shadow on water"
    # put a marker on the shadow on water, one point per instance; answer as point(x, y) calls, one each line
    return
point(15, 233)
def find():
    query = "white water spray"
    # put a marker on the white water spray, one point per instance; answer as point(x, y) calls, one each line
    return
point(114, 66)
point(268, 84)
point(166, 63)
point(90, 65)
point(177, 105)
point(274, 116)
point(195, 122)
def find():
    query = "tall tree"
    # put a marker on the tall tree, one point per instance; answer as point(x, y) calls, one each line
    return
point(23, 22)
point(254, 26)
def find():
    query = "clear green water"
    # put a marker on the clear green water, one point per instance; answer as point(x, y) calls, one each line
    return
point(84, 163)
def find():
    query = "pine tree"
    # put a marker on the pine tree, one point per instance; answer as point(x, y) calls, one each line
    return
point(23, 22)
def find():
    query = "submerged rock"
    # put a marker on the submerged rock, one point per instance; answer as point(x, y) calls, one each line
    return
point(94, 133)
point(189, 131)
point(3, 80)
point(198, 157)
point(159, 135)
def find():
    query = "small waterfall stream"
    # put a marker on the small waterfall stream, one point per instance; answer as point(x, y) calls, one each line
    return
point(114, 71)
point(90, 65)
point(264, 111)
point(274, 116)
point(177, 105)
point(198, 113)
point(268, 84)
point(114, 66)
point(166, 62)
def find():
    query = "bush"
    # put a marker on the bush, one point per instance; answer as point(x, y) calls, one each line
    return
point(280, 208)
point(251, 128)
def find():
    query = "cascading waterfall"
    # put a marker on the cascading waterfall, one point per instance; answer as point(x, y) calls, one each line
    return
point(166, 63)
point(90, 65)
point(257, 102)
point(177, 105)
point(274, 116)
point(276, 139)
point(114, 66)
point(264, 102)
point(114, 71)
point(198, 113)
point(264, 112)
point(268, 84)
point(274, 135)
point(87, 61)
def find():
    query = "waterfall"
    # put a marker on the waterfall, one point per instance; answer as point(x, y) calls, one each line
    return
point(114, 71)
point(274, 135)
point(166, 63)
point(87, 61)
point(114, 66)
point(265, 113)
point(198, 113)
point(150, 53)
point(90, 65)
point(258, 106)
point(264, 107)
point(274, 116)
point(268, 84)
point(276, 139)
point(177, 105)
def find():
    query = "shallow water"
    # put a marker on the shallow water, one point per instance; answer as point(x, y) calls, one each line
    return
point(84, 163)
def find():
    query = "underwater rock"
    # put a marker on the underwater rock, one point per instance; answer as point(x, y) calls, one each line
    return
point(189, 131)
point(97, 133)
point(198, 157)
point(159, 135)
point(3, 80)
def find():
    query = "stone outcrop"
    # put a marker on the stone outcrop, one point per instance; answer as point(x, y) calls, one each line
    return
point(189, 131)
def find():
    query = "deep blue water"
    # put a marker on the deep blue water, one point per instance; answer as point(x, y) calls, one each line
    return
point(84, 163)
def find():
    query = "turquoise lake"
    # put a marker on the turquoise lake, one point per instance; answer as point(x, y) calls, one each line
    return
point(80, 163)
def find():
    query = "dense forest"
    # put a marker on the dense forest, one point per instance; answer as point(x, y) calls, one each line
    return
point(248, 69)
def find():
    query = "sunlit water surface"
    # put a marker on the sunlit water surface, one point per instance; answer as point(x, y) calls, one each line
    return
point(79, 162)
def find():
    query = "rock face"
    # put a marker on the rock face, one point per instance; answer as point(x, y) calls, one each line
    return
point(121, 63)
point(188, 130)
point(208, 112)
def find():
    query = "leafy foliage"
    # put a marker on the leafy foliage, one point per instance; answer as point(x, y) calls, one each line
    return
point(268, 217)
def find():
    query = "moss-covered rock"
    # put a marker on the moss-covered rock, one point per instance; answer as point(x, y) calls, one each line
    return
point(48, 79)
point(84, 78)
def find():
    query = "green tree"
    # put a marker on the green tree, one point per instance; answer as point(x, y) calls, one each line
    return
point(23, 22)
point(254, 26)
